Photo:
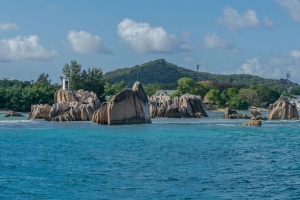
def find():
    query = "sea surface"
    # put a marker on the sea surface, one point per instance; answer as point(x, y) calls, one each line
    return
point(207, 158)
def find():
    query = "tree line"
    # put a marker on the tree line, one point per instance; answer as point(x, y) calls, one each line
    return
point(20, 95)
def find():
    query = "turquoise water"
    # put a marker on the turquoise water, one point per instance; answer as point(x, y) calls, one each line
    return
point(211, 158)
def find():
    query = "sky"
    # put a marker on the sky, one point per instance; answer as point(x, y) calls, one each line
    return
point(224, 37)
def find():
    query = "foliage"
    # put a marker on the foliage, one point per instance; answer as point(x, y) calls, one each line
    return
point(237, 102)
point(91, 79)
point(19, 98)
point(44, 78)
point(150, 89)
point(176, 94)
point(214, 96)
point(186, 85)
point(251, 96)
point(112, 89)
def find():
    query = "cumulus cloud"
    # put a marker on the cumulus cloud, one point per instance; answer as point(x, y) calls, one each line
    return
point(292, 6)
point(294, 53)
point(146, 39)
point(84, 43)
point(20, 48)
point(7, 26)
point(213, 41)
point(233, 20)
point(254, 67)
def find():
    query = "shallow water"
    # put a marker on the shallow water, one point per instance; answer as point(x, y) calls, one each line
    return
point(208, 158)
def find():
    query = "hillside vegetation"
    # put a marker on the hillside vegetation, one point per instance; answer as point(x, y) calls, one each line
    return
point(163, 73)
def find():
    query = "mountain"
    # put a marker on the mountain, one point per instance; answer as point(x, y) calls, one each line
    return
point(162, 72)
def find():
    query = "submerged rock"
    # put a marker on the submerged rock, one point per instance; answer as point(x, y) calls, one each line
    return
point(282, 109)
point(127, 107)
point(13, 114)
point(39, 111)
point(253, 123)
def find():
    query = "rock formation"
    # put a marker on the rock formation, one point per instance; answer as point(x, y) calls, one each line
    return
point(185, 106)
point(13, 114)
point(282, 109)
point(127, 107)
point(39, 111)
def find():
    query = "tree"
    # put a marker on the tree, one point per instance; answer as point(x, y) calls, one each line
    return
point(214, 96)
point(112, 89)
point(186, 85)
point(251, 96)
point(150, 89)
point(90, 79)
point(44, 78)
point(231, 92)
point(72, 71)
point(237, 102)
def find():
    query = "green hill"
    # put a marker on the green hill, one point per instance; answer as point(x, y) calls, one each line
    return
point(162, 72)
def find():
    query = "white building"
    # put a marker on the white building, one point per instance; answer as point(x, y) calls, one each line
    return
point(66, 85)
point(295, 100)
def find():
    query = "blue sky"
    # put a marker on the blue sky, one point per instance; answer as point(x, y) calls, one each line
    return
point(224, 37)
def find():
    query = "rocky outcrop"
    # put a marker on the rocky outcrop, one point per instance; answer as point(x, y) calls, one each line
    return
point(185, 106)
point(81, 96)
point(71, 111)
point(229, 113)
point(39, 111)
point(253, 122)
point(282, 109)
point(127, 107)
point(69, 106)
point(13, 114)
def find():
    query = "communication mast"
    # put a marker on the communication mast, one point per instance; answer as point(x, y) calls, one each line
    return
point(288, 82)
point(197, 67)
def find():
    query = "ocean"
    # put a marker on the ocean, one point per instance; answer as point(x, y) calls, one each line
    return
point(206, 158)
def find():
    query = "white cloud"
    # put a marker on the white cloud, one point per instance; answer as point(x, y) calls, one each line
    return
point(7, 26)
point(84, 43)
point(292, 6)
point(254, 67)
point(294, 53)
point(268, 23)
point(233, 20)
point(20, 48)
point(146, 39)
point(213, 41)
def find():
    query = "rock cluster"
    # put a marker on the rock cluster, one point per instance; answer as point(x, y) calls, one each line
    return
point(185, 106)
point(127, 107)
point(232, 114)
point(69, 106)
point(282, 109)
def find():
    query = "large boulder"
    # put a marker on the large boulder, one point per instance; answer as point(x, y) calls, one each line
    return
point(282, 109)
point(127, 107)
point(71, 111)
point(228, 112)
point(40, 111)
